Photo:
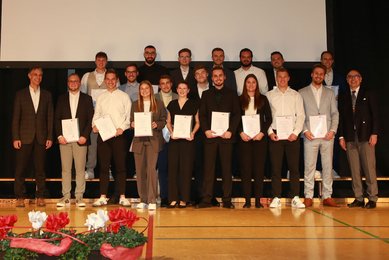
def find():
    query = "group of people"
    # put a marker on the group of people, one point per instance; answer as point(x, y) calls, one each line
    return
point(231, 114)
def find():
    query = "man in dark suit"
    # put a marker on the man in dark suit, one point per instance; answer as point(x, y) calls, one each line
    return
point(151, 70)
point(218, 60)
point(184, 72)
point(76, 106)
point(358, 131)
point(32, 133)
point(220, 98)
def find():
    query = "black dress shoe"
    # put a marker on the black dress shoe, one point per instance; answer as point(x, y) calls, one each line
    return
point(203, 205)
point(228, 205)
point(172, 204)
point(356, 204)
point(258, 204)
point(215, 203)
point(370, 204)
point(164, 203)
point(247, 205)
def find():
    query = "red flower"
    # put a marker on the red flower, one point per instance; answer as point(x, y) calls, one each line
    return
point(121, 217)
point(56, 222)
point(6, 224)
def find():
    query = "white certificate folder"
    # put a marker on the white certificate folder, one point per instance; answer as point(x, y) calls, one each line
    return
point(182, 126)
point(142, 121)
point(318, 125)
point(251, 125)
point(220, 122)
point(106, 128)
point(284, 127)
point(70, 130)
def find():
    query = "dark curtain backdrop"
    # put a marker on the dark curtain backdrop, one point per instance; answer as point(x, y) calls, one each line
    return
point(358, 35)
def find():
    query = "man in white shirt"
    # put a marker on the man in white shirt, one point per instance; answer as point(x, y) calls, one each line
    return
point(246, 59)
point(287, 108)
point(319, 104)
point(117, 105)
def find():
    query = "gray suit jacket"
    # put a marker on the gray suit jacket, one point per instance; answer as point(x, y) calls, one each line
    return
point(327, 107)
point(159, 96)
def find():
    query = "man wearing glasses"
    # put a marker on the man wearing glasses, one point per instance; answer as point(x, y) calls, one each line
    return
point(358, 131)
point(131, 87)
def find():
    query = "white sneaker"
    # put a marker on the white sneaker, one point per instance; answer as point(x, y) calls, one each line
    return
point(276, 203)
point(141, 205)
point(125, 202)
point(89, 175)
point(64, 202)
point(100, 202)
point(296, 203)
point(152, 206)
point(80, 203)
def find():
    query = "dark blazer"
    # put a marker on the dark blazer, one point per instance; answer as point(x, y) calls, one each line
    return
point(84, 114)
point(338, 80)
point(266, 118)
point(26, 124)
point(230, 81)
point(156, 140)
point(228, 102)
point(365, 118)
point(177, 78)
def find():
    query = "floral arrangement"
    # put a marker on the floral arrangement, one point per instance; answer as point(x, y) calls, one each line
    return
point(110, 234)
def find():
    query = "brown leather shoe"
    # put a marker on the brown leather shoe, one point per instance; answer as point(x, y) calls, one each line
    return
point(308, 202)
point(20, 203)
point(330, 202)
point(40, 202)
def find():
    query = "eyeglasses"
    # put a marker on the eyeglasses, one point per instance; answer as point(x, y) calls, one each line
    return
point(353, 76)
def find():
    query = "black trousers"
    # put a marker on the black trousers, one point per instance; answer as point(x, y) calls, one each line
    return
point(180, 164)
point(252, 158)
point(114, 148)
point(211, 150)
point(292, 152)
point(36, 153)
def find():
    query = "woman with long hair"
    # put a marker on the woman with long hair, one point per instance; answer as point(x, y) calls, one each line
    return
point(253, 148)
point(146, 148)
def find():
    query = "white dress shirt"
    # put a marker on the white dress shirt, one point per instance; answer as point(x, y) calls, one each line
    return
point(35, 96)
point(240, 75)
point(73, 101)
point(289, 103)
point(117, 104)
point(317, 94)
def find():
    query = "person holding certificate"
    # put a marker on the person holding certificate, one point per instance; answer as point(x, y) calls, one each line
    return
point(321, 123)
point(287, 109)
point(73, 124)
point(113, 109)
point(182, 112)
point(256, 119)
point(219, 112)
point(147, 147)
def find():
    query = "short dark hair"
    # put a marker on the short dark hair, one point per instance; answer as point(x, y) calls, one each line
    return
point(319, 65)
point(111, 71)
point(245, 50)
point(276, 52)
point(132, 65)
point(185, 50)
point(150, 46)
point(35, 68)
point(217, 49)
point(74, 74)
point(199, 67)
point(218, 68)
point(166, 76)
point(326, 52)
point(101, 54)
point(282, 69)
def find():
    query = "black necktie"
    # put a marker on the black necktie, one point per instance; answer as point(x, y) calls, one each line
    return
point(353, 99)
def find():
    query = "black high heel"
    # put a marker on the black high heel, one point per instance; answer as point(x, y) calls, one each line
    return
point(247, 204)
point(258, 204)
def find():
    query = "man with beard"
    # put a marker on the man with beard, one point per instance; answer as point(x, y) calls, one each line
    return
point(151, 70)
point(319, 102)
point(218, 99)
point(218, 60)
point(246, 59)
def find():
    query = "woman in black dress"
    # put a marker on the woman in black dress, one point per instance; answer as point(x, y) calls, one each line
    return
point(253, 148)
point(181, 150)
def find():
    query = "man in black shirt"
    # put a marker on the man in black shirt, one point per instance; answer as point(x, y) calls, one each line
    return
point(150, 70)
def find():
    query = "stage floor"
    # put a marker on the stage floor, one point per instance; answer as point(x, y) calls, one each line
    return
point(217, 233)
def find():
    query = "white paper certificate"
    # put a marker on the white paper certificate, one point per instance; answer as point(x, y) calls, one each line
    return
point(106, 127)
point(142, 121)
point(318, 126)
point(182, 126)
point(220, 122)
point(70, 130)
point(284, 127)
point(95, 92)
point(251, 125)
